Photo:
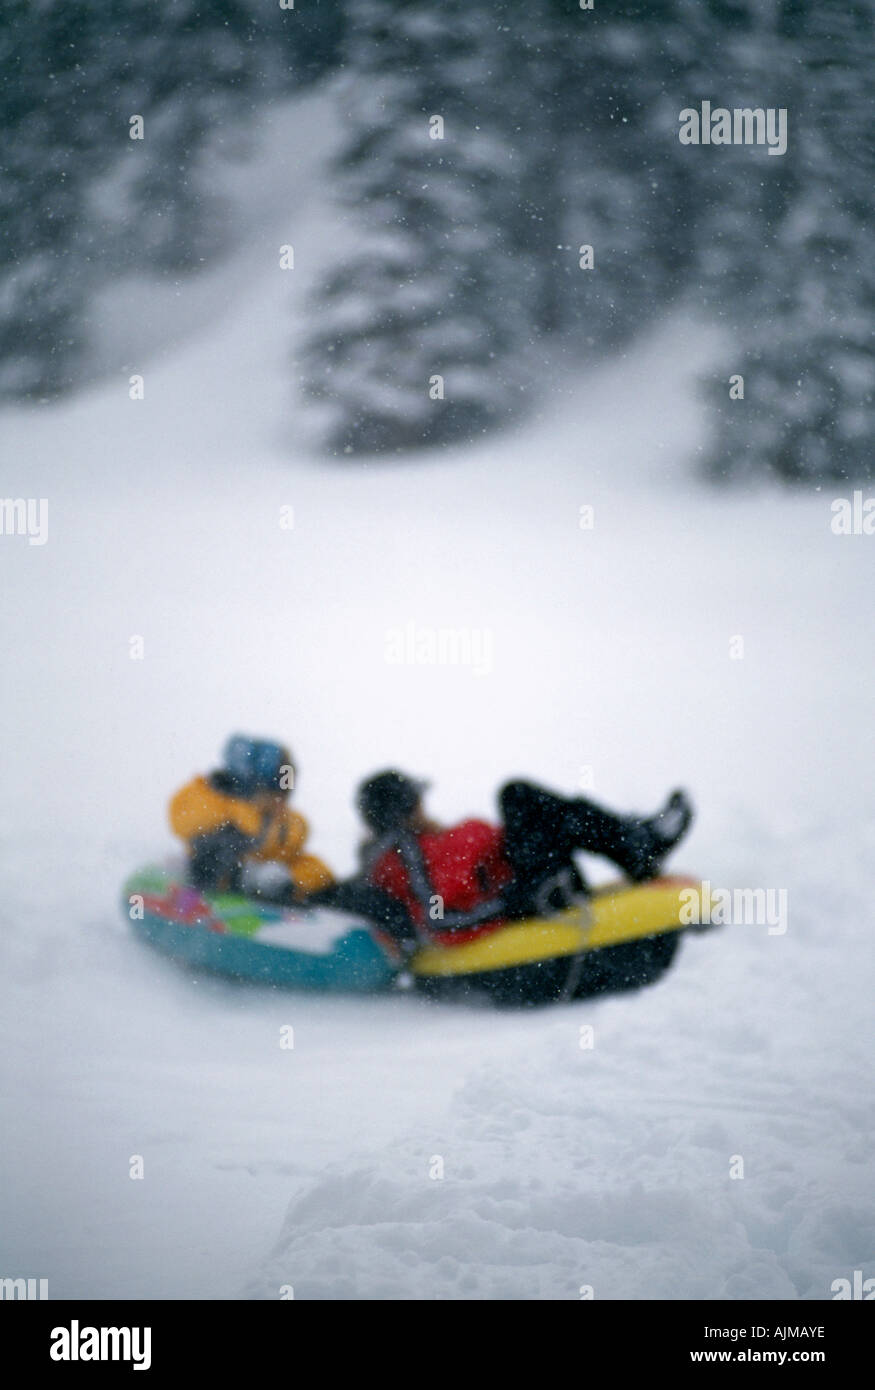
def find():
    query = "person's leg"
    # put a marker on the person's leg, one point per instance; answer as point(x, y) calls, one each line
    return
point(543, 830)
point(639, 844)
point(540, 838)
point(216, 860)
point(362, 899)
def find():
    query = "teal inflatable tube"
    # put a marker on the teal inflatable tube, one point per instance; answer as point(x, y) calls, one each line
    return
point(308, 949)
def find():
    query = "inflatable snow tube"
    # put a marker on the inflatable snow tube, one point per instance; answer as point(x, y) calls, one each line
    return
point(623, 937)
point(224, 933)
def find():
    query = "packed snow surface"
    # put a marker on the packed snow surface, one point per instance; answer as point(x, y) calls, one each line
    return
point(715, 1140)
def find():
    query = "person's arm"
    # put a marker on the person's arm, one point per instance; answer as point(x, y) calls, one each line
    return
point(198, 809)
point(309, 874)
point(284, 838)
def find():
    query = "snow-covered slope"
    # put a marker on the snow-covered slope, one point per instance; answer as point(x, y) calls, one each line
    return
point(609, 660)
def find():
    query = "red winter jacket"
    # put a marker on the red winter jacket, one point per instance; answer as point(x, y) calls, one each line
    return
point(464, 866)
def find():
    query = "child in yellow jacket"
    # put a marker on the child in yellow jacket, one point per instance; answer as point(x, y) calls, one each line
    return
point(239, 814)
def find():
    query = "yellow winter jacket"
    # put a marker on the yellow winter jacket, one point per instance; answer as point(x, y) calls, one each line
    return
point(200, 808)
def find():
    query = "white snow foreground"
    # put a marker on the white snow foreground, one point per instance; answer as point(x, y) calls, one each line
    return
point(703, 1140)
point(715, 1140)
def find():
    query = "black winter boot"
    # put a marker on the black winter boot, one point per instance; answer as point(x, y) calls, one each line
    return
point(653, 838)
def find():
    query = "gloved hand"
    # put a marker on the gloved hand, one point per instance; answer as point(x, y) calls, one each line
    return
point(283, 894)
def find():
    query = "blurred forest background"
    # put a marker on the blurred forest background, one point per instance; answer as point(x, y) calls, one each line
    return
point(561, 128)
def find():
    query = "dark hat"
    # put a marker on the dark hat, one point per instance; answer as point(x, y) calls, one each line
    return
point(387, 799)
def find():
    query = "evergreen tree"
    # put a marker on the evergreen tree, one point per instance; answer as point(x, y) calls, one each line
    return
point(624, 191)
point(79, 200)
point(792, 269)
point(438, 291)
point(583, 151)
point(47, 160)
point(457, 257)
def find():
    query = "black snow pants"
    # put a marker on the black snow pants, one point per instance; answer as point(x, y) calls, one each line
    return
point(361, 898)
point(542, 832)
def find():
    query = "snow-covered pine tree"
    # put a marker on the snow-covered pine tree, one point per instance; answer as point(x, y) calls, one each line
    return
point(194, 70)
point(80, 202)
point(623, 189)
point(421, 330)
point(73, 76)
point(46, 161)
point(793, 267)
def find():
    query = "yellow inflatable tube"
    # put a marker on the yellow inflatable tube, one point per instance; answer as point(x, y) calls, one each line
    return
point(613, 915)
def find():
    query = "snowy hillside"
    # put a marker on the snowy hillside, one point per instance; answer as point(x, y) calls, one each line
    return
point(611, 657)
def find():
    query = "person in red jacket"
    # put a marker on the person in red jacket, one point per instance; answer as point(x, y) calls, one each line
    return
point(447, 878)
point(417, 877)
point(457, 879)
